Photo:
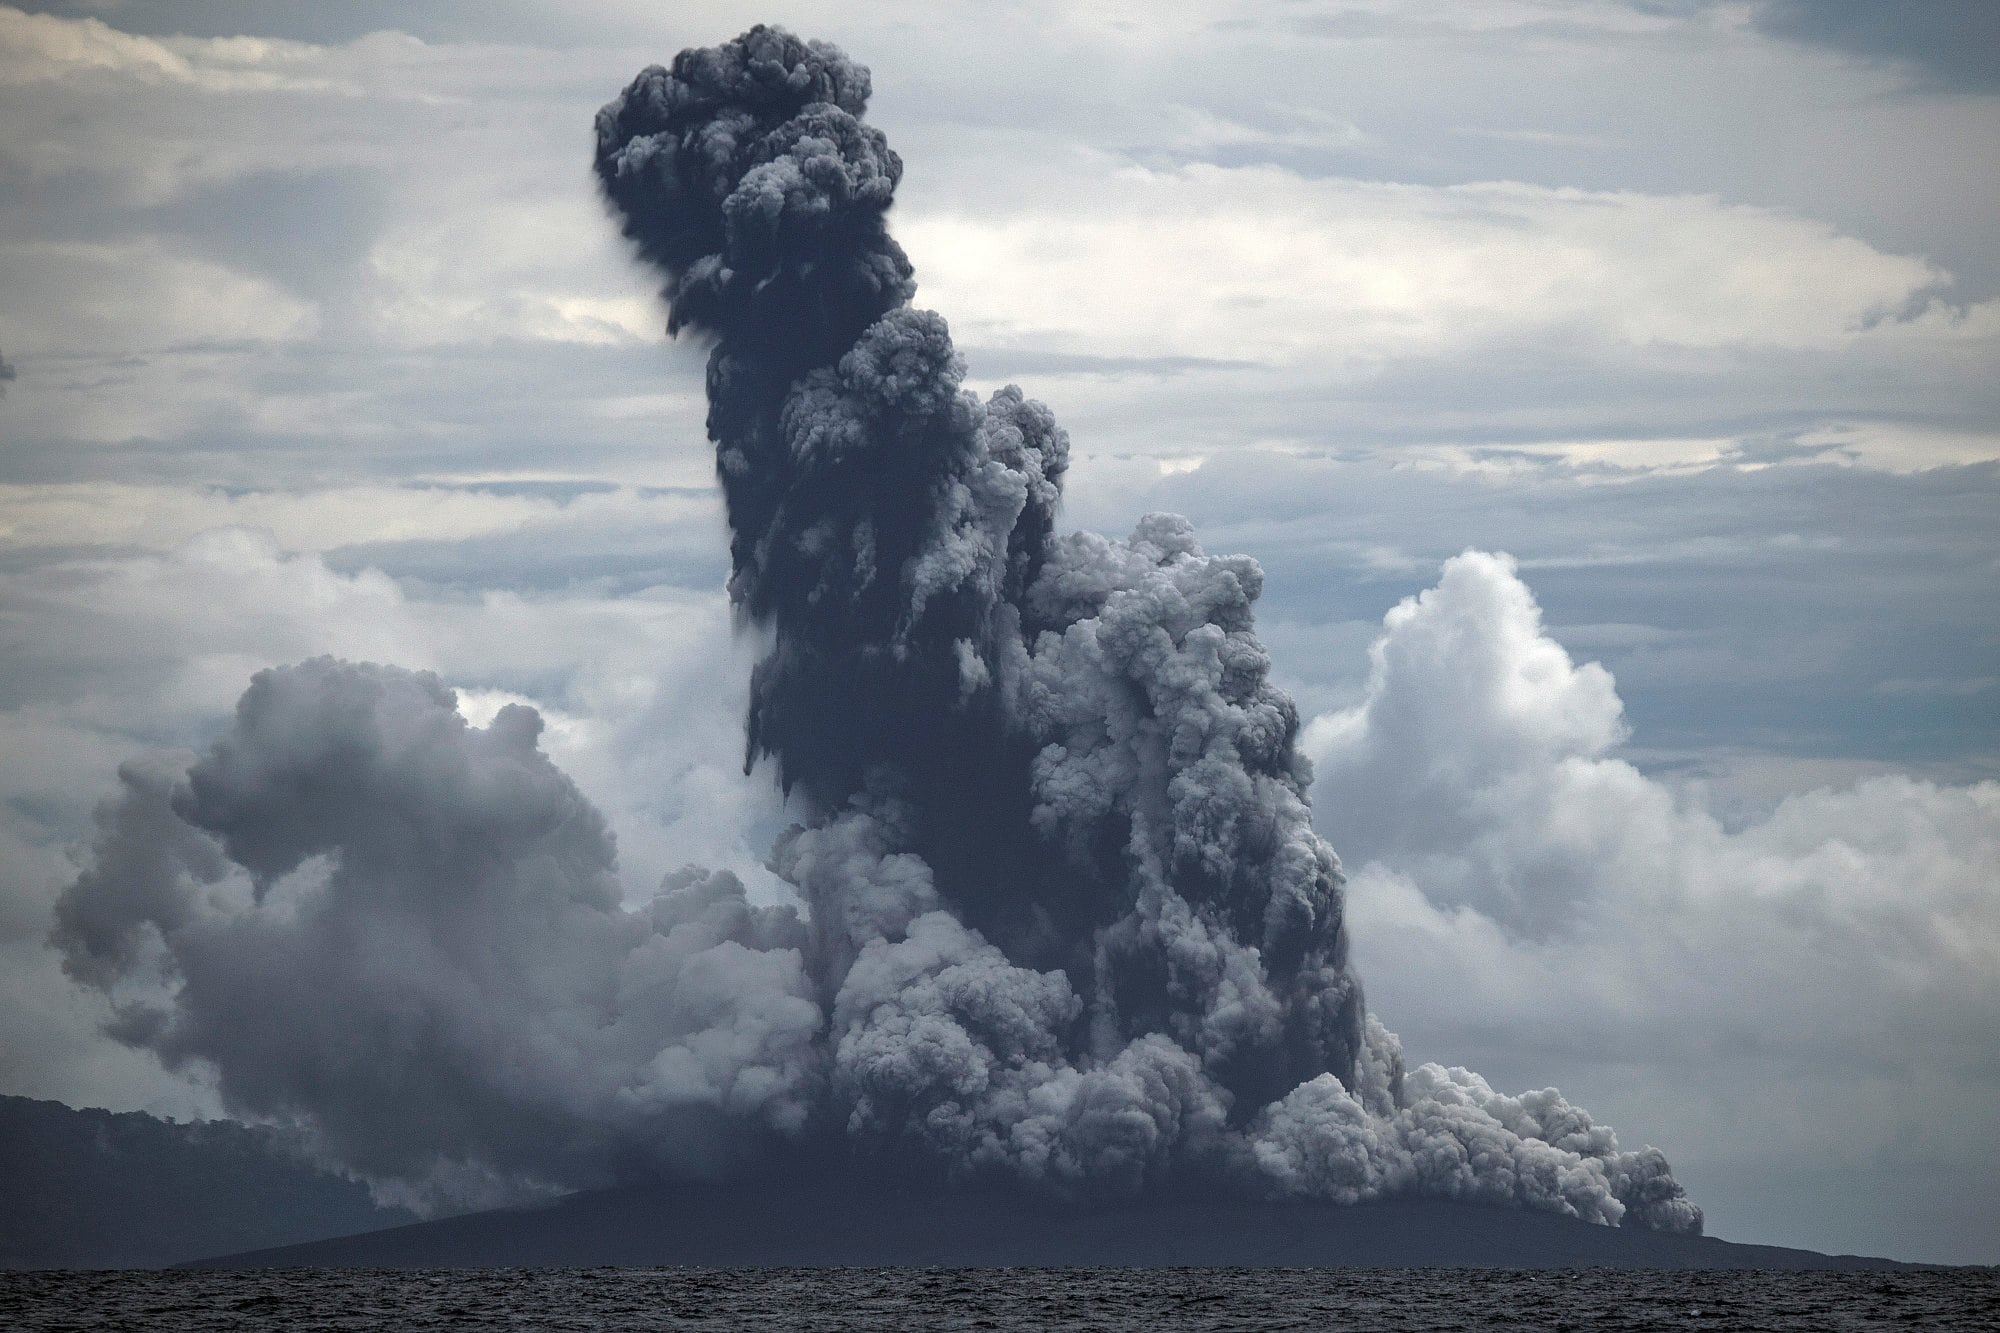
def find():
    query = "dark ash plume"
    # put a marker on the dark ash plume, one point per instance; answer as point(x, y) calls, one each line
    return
point(1066, 918)
point(7, 374)
point(1079, 736)
point(1077, 739)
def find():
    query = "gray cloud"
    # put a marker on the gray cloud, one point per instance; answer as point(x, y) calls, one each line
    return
point(1949, 45)
point(403, 933)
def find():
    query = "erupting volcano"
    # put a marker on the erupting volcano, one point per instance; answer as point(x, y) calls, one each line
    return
point(1062, 918)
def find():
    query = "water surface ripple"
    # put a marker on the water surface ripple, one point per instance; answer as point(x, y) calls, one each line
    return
point(1019, 1298)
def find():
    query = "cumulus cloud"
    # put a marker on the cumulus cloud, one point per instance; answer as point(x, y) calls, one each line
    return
point(1520, 887)
point(1469, 704)
point(1478, 767)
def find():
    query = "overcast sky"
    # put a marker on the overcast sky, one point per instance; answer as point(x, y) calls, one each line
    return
point(314, 338)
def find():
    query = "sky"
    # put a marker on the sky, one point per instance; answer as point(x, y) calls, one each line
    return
point(1607, 390)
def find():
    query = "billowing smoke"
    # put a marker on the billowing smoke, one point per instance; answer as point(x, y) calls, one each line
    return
point(1063, 918)
point(404, 933)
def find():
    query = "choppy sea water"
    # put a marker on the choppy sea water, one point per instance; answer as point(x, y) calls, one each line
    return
point(901, 1298)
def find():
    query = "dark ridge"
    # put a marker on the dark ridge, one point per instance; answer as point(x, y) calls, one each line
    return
point(102, 1189)
point(821, 1224)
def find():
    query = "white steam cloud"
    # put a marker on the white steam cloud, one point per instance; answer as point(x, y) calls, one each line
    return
point(1492, 834)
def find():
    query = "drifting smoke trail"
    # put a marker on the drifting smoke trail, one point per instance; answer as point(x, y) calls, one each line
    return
point(1066, 920)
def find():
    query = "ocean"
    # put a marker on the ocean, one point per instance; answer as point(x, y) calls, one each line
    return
point(1014, 1298)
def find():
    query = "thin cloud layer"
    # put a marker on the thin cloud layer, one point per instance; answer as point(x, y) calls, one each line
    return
point(1339, 271)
